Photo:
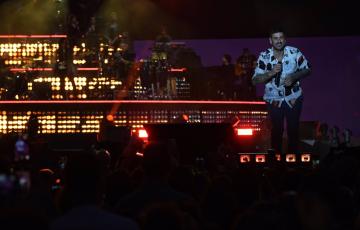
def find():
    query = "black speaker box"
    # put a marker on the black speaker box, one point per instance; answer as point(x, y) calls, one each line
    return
point(192, 140)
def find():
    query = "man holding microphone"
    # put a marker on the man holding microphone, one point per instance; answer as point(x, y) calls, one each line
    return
point(281, 68)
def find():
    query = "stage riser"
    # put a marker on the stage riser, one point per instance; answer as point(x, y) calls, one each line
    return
point(85, 117)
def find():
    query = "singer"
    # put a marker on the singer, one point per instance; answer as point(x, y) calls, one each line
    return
point(281, 68)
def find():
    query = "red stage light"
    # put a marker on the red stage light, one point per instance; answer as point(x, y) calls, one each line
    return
point(172, 102)
point(88, 69)
point(178, 69)
point(34, 36)
point(185, 117)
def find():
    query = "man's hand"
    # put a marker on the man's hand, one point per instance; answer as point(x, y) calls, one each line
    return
point(265, 77)
point(277, 69)
point(288, 81)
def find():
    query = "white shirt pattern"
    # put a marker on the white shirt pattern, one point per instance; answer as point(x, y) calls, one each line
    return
point(293, 61)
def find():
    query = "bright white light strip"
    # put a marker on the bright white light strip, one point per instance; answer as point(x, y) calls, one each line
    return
point(143, 134)
point(244, 132)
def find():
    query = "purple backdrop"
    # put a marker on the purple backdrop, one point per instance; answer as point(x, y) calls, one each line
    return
point(331, 92)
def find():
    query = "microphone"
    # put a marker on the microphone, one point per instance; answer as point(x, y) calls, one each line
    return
point(278, 75)
point(287, 89)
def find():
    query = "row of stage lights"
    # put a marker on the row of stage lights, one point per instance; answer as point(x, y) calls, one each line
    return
point(15, 121)
point(80, 82)
point(265, 158)
point(90, 125)
point(29, 49)
point(18, 52)
point(48, 47)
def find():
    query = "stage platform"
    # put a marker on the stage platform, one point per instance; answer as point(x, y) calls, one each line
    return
point(84, 116)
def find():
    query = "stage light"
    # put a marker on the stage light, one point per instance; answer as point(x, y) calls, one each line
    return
point(245, 158)
point(261, 158)
point(277, 157)
point(244, 132)
point(291, 158)
point(142, 133)
point(110, 117)
point(306, 157)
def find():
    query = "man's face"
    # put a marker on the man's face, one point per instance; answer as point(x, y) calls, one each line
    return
point(277, 40)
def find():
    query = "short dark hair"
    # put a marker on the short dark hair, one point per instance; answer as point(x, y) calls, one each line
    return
point(277, 29)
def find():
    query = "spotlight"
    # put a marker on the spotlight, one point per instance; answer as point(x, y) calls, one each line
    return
point(245, 158)
point(110, 117)
point(261, 158)
point(306, 157)
point(277, 157)
point(142, 133)
point(244, 132)
point(291, 158)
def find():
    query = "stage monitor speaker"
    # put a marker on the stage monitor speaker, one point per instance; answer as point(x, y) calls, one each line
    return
point(192, 140)
point(111, 133)
point(71, 141)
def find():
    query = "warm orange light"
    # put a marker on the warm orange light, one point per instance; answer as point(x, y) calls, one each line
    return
point(305, 157)
point(278, 157)
point(244, 158)
point(260, 158)
point(142, 133)
point(88, 69)
point(47, 170)
point(185, 117)
point(110, 117)
point(290, 158)
point(177, 69)
point(244, 132)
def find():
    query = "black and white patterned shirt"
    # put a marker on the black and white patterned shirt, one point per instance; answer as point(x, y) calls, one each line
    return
point(293, 61)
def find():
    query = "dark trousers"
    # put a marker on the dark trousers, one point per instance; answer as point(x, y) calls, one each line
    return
point(292, 117)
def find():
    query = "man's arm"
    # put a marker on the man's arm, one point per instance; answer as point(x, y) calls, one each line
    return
point(261, 78)
point(265, 77)
point(292, 78)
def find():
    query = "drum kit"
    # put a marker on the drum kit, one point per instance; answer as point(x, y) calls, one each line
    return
point(155, 72)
